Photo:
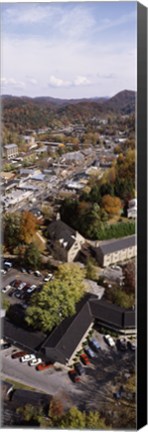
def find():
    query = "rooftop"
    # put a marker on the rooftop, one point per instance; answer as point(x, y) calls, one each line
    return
point(117, 245)
point(9, 146)
point(58, 230)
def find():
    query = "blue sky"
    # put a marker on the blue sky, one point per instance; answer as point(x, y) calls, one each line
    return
point(68, 50)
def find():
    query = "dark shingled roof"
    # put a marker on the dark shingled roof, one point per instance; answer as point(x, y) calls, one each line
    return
point(61, 343)
point(30, 340)
point(59, 230)
point(112, 314)
point(117, 245)
point(66, 337)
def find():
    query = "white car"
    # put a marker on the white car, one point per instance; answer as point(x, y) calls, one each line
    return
point(48, 277)
point(115, 267)
point(37, 273)
point(31, 289)
point(27, 358)
point(21, 286)
point(35, 362)
point(6, 289)
point(109, 340)
point(3, 272)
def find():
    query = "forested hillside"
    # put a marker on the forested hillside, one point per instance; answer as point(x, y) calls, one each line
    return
point(20, 113)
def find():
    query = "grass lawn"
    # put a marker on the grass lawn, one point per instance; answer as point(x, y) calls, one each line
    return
point(19, 385)
point(40, 241)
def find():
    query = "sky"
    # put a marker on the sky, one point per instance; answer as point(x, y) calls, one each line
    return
point(68, 50)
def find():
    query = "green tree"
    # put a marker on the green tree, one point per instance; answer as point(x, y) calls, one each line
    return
point(32, 257)
point(30, 415)
point(74, 419)
point(91, 270)
point(57, 298)
point(11, 230)
point(5, 302)
point(119, 297)
point(94, 421)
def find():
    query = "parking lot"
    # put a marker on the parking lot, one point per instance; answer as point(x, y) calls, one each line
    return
point(95, 385)
point(15, 278)
point(98, 382)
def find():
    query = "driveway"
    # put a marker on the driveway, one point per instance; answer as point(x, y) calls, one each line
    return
point(49, 381)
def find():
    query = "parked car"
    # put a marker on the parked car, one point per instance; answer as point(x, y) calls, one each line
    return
point(37, 273)
point(17, 293)
point(12, 283)
point(48, 277)
point(74, 376)
point(35, 362)
point(79, 368)
point(5, 345)
point(94, 344)
point(7, 265)
point(18, 354)
point(132, 345)
point(90, 352)
point(27, 357)
point(42, 366)
point(17, 283)
point(22, 285)
point(6, 289)
point(122, 344)
point(3, 272)
point(109, 340)
point(23, 270)
point(115, 267)
point(85, 360)
point(31, 289)
point(10, 294)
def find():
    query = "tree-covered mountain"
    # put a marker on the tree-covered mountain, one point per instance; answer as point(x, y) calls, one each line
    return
point(123, 102)
point(20, 113)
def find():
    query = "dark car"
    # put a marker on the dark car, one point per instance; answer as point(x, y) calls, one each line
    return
point(11, 293)
point(94, 344)
point(122, 344)
point(79, 368)
point(5, 345)
point(18, 354)
point(90, 352)
point(73, 375)
point(132, 345)
point(23, 270)
point(17, 294)
point(13, 283)
point(17, 283)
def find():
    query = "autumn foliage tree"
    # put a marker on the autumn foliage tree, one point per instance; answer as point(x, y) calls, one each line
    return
point(18, 229)
point(112, 205)
point(28, 226)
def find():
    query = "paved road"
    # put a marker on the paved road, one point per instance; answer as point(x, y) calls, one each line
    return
point(48, 381)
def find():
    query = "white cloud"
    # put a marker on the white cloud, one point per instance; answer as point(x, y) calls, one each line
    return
point(123, 19)
point(12, 82)
point(81, 80)
point(32, 81)
point(58, 82)
point(30, 14)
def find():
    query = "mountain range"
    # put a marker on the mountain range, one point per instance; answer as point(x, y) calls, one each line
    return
point(29, 112)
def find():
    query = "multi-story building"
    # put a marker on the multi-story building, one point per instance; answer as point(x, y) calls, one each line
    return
point(10, 151)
